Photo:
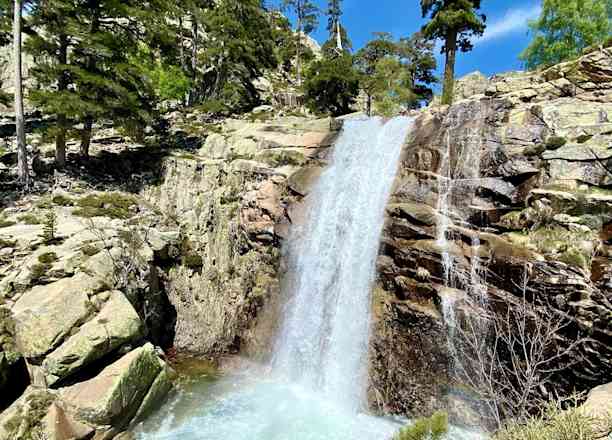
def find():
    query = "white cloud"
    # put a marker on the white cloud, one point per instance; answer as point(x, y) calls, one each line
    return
point(514, 21)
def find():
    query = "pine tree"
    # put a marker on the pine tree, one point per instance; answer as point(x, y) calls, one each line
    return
point(565, 28)
point(454, 22)
point(334, 27)
point(366, 61)
point(331, 85)
point(330, 47)
point(239, 46)
point(85, 50)
point(416, 55)
point(307, 15)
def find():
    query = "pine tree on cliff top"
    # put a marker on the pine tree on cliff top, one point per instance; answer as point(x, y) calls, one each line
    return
point(307, 15)
point(565, 28)
point(454, 22)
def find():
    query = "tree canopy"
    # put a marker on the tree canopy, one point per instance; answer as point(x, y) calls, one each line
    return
point(455, 22)
point(565, 28)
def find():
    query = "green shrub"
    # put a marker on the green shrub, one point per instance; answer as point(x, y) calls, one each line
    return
point(433, 428)
point(583, 138)
point(113, 205)
point(47, 258)
point(89, 250)
point(62, 200)
point(534, 150)
point(557, 423)
point(555, 142)
point(39, 273)
point(193, 261)
point(29, 219)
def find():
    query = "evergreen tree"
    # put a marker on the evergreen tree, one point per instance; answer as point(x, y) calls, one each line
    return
point(330, 47)
point(334, 12)
point(239, 46)
point(85, 51)
point(366, 61)
point(454, 22)
point(331, 85)
point(565, 28)
point(392, 87)
point(416, 54)
point(307, 15)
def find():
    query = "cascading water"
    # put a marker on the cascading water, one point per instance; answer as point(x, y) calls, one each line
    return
point(324, 339)
point(315, 387)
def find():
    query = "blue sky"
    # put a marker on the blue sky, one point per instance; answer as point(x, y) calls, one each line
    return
point(496, 52)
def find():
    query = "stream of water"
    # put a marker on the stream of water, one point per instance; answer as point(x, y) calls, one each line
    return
point(314, 388)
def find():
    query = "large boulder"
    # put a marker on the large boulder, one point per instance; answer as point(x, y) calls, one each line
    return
point(115, 395)
point(45, 315)
point(116, 324)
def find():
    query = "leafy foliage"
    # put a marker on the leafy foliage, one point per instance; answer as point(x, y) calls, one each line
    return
point(565, 28)
point(558, 423)
point(396, 75)
point(240, 45)
point(331, 85)
point(433, 428)
point(416, 54)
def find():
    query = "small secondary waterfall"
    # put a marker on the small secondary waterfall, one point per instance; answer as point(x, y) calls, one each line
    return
point(324, 338)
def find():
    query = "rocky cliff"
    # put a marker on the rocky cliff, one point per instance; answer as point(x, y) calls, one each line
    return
point(99, 287)
point(519, 176)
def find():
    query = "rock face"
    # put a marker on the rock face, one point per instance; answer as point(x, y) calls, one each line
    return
point(232, 200)
point(530, 166)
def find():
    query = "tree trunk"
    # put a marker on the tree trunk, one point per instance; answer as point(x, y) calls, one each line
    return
point(62, 120)
point(86, 136)
point(449, 70)
point(369, 105)
point(22, 154)
point(299, 51)
point(194, 58)
point(88, 120)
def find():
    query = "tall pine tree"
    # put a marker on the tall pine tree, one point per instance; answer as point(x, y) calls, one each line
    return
point(565, 28)
point(454, 22)
point(86, 50)
point(307, 16)
point(417, 57)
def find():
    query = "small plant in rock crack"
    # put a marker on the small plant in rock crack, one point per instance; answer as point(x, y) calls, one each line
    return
point(49, 225)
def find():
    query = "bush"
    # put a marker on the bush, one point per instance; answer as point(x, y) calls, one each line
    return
point(62, 200)
point(433, 428)
point(113, 205)
point(557, 424)
point(555, 142)
point(47, 258)
point(29, 219)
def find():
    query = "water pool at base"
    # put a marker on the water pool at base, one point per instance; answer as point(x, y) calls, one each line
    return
point(249, 408)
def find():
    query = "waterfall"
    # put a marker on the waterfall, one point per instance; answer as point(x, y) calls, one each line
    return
point(324, 337)
point(315, 387)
